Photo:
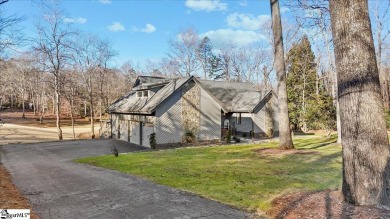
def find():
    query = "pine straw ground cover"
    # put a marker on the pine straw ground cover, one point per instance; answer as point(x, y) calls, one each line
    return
point(10, 196)
point(255, 177)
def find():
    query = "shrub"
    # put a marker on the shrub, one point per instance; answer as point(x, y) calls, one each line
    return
point(152, 140)
point(237, 139)
point(189, 137)
point(270, 132)
point(228, 136)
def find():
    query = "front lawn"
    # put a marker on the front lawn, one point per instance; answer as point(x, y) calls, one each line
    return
point(240, 176)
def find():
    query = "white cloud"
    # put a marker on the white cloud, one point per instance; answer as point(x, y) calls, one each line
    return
point(246, 21)
point(221, 37)
point(284, 10)
point(206, 5)
point(243, 3)
point(116, 27)
point(78, 20)
point(149, 28)
point(106, 2)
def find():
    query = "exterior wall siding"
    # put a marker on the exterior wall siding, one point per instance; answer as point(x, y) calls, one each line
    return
point(168, 126)
point(265, 117)
point(210, 118)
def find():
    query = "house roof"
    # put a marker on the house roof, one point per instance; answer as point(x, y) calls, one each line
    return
point(234, 96)
point(130, 103)
point(231, 96)
point(145, 82)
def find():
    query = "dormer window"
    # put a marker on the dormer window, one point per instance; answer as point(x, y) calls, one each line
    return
point(143, 93)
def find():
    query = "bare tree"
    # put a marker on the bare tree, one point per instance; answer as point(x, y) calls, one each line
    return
point(382, 33)
point(285, 140)
point(183, 50)
point(54, 43)
point(106, 54)
point(205, 55)
point(366, 151)
point(91, 61)
point(10, 33)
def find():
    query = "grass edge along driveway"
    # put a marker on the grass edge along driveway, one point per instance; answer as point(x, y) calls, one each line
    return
point(244, 176)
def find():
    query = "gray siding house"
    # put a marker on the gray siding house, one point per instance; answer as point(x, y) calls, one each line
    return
point(174, 108)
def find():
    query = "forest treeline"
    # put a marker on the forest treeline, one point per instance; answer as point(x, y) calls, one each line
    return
point(76, 73)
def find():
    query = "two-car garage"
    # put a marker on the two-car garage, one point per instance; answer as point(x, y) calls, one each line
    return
point(129, 128)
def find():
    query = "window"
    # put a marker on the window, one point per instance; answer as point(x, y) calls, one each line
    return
point(238, 118)
point(144, 93)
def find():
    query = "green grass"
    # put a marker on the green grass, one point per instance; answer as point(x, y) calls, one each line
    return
point(236, 175)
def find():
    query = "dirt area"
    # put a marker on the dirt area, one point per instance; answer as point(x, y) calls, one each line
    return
point(11, 198)
point(18, 130)
point(14, 116)
point(324, 204)
point(282, 152)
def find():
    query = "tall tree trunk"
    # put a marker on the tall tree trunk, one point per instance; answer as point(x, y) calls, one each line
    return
point(57, 106)
point(285, 140)
point(72, 118)
point(33, 105)
point(91, 108)
point(23, 115)
point(92, 115)
point(85, 108)
point(366, 151)
point(42, 107)
point(54, 103)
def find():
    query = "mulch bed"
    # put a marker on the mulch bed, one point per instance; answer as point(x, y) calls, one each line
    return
point(10, 196)
point(324, 204)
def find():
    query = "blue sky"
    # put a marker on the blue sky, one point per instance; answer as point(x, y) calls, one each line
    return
point(140, 30)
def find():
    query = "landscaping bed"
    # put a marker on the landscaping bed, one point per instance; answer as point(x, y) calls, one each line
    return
point(11, 198)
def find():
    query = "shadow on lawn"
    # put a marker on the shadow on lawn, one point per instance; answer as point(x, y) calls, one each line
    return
point(308, 144)
point(301, 133)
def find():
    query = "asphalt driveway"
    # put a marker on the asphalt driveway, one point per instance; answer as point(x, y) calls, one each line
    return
point(60, 188)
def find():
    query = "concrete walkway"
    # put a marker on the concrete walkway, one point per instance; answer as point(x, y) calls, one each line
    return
point(59, 188)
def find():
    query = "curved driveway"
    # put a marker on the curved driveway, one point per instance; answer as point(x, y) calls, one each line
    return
point(60, 188)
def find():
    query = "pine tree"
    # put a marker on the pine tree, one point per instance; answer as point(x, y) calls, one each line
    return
point(301, 82)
